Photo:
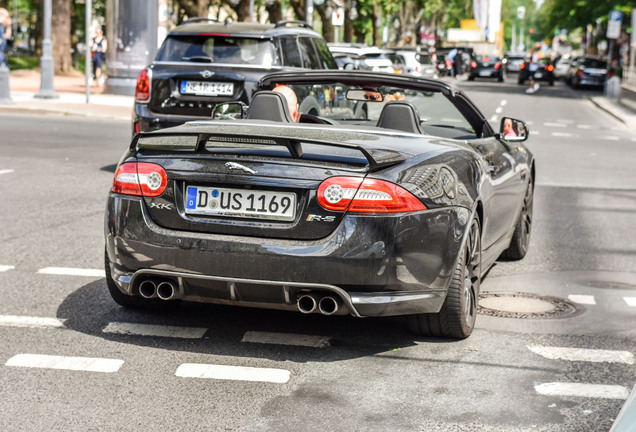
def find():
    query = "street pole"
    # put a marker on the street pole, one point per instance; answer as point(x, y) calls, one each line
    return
point(88, 64)
point(46, 61)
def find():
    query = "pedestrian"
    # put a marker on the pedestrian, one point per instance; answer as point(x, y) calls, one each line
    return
point(98, 51)
point(5, 34)
point(532, 69)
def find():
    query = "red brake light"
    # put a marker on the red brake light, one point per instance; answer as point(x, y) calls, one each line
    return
point(366, 196)
point(498, 65)
point(550, 68)
point(522, 66)
point(579, 72)
point(140, 179)
point(142, 90)
point(473, 64)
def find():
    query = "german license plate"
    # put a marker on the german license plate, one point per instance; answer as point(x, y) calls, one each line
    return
point(538, 75)
point(206, 88)
point(484, 73)
point(241, 203)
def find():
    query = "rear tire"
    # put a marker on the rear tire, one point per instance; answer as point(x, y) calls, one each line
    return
point(456, 318)
point(521, 237)
point(134, 302)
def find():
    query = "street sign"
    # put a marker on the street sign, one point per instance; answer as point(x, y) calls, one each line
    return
point(521, 12)
point(614, 24)
point(337, 17)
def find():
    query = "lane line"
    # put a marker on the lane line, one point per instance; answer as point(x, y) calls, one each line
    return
point(582, 299)
point(499, 110)
point(86, 364)
point(551, 124)
point(6, 171)
point(631, 301)
point(286, 339)
point(504, 102)
point(66, 271)
point(29, 321)
point(155, 330)
point(584, 126)
point(561, 134)
point(611, 138)
point(234, 373)
point(582, 390)
point(4, 268)
point(583, 354)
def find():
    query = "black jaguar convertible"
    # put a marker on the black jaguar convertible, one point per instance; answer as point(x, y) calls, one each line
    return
point(392, 196)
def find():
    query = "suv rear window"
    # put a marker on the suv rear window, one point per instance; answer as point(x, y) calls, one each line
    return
point(218, 49)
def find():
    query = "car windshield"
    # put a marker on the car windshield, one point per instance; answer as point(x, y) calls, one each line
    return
point(594, 63)
point(362, 105)
point(218, 49)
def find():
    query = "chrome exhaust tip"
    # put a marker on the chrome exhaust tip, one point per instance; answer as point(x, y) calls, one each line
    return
point(328, 305)
point(166, 290)
point(148, 289)
point(307, 304)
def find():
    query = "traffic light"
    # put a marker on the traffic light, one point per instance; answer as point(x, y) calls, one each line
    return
point(531, 31)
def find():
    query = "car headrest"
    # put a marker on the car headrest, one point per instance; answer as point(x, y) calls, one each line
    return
point(269, 105)
point(400, 115)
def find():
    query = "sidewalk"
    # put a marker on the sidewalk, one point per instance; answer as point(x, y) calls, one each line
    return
point(621, 111)
point(25, 84)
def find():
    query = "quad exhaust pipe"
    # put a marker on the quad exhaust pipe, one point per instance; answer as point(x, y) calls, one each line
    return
point(326, 305)
point(164, 289)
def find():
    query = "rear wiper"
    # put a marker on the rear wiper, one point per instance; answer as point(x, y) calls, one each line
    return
point(200, 59)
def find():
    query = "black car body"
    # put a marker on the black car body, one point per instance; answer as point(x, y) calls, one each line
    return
point(587, 71)
point(367, 208)
point(201, 64)
point(486, 66)
point(544, 72)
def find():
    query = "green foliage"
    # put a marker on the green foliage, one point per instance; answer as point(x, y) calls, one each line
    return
point(17, 63)
point(575, 14)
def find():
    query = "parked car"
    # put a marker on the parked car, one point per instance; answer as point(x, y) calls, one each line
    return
point(561, 66)
point(202, 63)
point(375, 59)
point(486, 66)
point(417, 63)
point(400, 211)
point(587, 71)
point(513, 62)
point(544, 72)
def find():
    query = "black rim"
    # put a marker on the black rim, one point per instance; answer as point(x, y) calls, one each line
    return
point(526, 218)
point(472, 274)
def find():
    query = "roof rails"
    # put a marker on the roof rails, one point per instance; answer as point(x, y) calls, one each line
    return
point(293, 22)
point(202, 19)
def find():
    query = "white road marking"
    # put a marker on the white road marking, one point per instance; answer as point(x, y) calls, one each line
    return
point(552, 124)
point(28, 321)
point(234, 373)
point(64, 271)
point(155, 330)
point(611, 138)
point(582, 299)
point(584, 126)
point(493, 118)
point(67, 363)
point(6, 171)
point(533, 132)
point(499, 110)
point(583, 354)
point(504, 102)
point(4, 268)
point(631, 301)
point(583, 390)
point(286, 339)
point(561, 134)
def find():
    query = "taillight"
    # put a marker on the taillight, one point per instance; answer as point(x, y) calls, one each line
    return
point(142, 90)
point(522, 66)
point(579, 72)
point(366, 196)
point(473, 64)
point(449, 63)
point(498, 65)
point(550, 68)
point(140, 178)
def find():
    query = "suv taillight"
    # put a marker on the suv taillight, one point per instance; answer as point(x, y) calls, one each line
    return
point(142, 90)
point(140, 178)
point(366, 196)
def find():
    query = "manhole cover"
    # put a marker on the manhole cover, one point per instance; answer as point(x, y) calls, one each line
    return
point(524, 305)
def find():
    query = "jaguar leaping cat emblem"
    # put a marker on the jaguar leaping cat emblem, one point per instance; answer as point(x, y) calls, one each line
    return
point(234, 166)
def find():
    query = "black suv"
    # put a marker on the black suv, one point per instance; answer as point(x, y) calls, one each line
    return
point(203, 63)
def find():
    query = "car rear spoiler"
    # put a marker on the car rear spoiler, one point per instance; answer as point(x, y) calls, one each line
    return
point(191, 142)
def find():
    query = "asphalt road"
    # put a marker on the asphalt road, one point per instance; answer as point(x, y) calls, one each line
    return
point(72, 360)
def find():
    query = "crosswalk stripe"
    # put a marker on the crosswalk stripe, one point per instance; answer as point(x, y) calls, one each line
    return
point(286, 339)
point(631, 301)
point(582, 299)
point(86, 364)
point(6, 171)
point(4, 268)
point(65, 271)
point(28, 321)
point(600, 391)
point(155, 330)
point(234, 373)
point(583, 354)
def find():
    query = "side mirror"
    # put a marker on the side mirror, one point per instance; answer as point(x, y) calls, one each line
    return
point(229, 111)
point(513, 130)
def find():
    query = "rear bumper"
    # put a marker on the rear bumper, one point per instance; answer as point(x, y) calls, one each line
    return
point(376, 266)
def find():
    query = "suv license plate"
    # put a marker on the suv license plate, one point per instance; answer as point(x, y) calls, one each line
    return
point(241, 203)
point(207, 88)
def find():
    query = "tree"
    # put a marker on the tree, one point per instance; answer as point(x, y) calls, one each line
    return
point(61, 36)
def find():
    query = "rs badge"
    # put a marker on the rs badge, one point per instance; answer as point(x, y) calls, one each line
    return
point(318, 218)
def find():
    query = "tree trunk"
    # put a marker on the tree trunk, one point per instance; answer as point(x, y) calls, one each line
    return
point(275, 11)
point(327, 26)
point(61, 36)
